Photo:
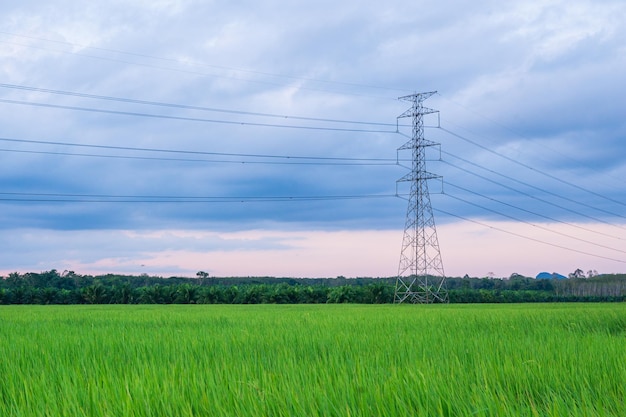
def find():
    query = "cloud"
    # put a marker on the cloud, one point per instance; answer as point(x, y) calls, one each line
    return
point(302, 253)
point(477, 249)
point(528, 90)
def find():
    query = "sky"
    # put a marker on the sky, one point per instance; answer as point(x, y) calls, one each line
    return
point(258, 138)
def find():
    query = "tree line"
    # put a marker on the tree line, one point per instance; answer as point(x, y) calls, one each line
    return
point(52, 287)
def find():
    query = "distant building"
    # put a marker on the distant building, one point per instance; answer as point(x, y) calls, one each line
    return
point(547, 275)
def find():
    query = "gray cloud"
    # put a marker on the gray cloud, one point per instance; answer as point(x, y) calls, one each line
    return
point(536, 82)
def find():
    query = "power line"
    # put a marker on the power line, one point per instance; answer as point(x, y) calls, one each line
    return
point(221, 67)
point(193, 119)
point(528, 211)
point(150, 199)
point(529, 185)
point(535, 198)
point(337, 160)
point(188, 107)
point(570, 200)
point(112, 198)
point(528, 237)
point(525, 222)
point(204, 74)
point(212, 161)
point(522, 136)
point(531, 168)
point(189, 119)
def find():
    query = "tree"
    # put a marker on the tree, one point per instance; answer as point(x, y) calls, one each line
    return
point(124, 294)
point(379, 293)
point(577, 274)
point(94, 293)
point(342, 294)
point(157, 294)
point(14, 280)
point(186, 294)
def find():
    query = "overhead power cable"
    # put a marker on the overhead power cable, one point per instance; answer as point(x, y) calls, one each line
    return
point(562, 181)
point(528, 237)
point(525, 222)
point(212, 161)
point(331, 159)
point(188, 119)
point(526, 138)
point(188, 107)
point(201, 64)
point(534, 197)
point(570, 200)
point(203, 74)
point(112, 198)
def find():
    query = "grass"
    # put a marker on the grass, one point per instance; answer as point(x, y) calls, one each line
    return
point(313, 360)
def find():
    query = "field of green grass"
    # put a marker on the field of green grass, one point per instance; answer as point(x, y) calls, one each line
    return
point(313, 360)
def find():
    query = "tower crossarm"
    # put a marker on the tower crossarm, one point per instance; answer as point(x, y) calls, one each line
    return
point(411, 112)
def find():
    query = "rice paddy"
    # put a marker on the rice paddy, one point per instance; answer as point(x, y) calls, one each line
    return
point(313, 360)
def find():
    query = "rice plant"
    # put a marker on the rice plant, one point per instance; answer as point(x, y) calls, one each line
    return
point(313, 360)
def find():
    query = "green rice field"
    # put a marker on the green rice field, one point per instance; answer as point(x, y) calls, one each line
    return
point(313, 360)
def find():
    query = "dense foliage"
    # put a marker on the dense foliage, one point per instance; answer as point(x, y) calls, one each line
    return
point(51, 287)
point(313, 360)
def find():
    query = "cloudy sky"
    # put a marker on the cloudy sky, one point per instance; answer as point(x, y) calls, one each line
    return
point(260, 137)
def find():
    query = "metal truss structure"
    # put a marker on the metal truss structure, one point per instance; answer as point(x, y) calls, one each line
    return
point(421, 278)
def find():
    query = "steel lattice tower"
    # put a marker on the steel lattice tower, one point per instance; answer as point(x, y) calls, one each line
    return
point(420, 273)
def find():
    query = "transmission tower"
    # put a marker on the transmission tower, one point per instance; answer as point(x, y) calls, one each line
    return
point(420, 273)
